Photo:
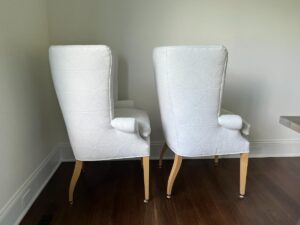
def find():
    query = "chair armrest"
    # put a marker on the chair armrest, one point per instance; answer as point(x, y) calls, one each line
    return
point(125, 124)
point(245, 125)
point(124, 104)
point(232, 122)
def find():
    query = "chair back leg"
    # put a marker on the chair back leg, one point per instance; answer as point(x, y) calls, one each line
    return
point(216, 160)
point(162, 153)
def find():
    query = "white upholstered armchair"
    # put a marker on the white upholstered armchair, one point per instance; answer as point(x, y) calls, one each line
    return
point(190, 82)
point(98, 128)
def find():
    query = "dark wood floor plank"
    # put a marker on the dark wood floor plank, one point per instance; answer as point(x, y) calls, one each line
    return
point(112, 193)
point(288, 207)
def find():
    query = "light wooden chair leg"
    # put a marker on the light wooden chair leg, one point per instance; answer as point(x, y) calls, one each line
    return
point(243, 173)
point(173, 174)
point(216, 160)
point(146, 162)
point(75, 176)
point(162, 152)
point(83, 168)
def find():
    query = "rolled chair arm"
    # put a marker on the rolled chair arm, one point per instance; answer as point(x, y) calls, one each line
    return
point(233, 122)
point(124, 104)
point(245, 129)
point(125, 124)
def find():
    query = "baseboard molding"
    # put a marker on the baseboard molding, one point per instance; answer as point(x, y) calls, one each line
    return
point(258, 149)
point(275, 148)
point(15, 209)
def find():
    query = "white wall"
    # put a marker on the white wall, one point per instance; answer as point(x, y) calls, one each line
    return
point(262, 37)
point(29, 116)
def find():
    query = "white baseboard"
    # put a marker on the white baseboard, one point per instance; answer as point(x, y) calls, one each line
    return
point(15, 209)
point(275, 148)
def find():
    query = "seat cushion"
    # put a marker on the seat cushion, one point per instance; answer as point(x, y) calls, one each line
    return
point(141, 117)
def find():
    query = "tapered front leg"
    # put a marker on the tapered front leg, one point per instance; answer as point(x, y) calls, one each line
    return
point(162, 153)
point(146, 164)
point(243, 173)
point(75, 176)
point(173, 174)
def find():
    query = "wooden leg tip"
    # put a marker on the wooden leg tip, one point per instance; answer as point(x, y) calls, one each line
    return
point(241, 196)
point(160, 166)
point(71, 202)
point(216, 164)
point(168, 196)
point(146, 201)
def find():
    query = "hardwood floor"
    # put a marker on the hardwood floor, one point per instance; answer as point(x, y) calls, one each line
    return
point(112, 193)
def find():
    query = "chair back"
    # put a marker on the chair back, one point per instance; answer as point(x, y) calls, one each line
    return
point(83, 82)
point(189, 82)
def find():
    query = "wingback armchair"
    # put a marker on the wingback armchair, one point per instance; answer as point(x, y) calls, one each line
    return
point(98, 127)
point(190, 82)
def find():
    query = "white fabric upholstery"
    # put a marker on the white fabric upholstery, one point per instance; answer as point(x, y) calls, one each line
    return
point(125, 124)
point(83, 81)
point(245, 125)
point(141, 117)
point(190, 83)
point(233, 122)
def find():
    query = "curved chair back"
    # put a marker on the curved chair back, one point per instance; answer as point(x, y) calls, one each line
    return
point(83, 83)
point(189, 82)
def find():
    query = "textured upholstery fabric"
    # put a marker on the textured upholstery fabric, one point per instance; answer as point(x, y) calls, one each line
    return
point(233, 122)
point(83, 81)
point(125, 124)
point(141, 117)
point(189, 82)
point(245, 126)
